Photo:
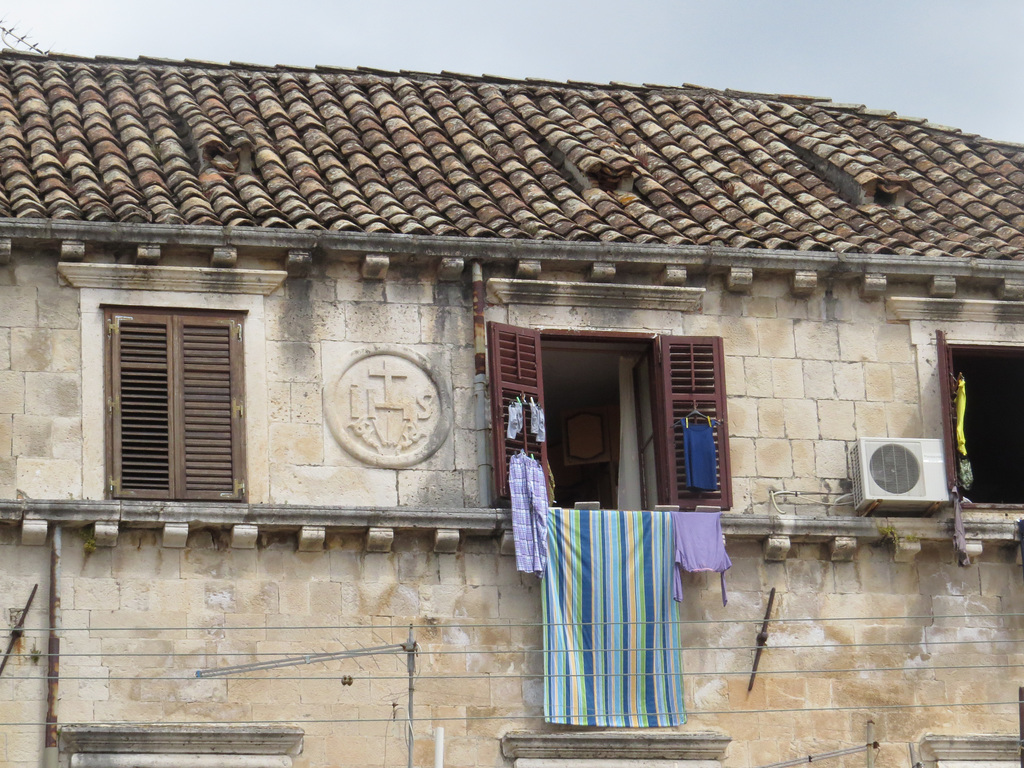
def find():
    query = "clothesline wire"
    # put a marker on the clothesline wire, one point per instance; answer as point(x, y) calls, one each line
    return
point(425, 648)
point(512, 625)
point(871, 708)
point(540, 675)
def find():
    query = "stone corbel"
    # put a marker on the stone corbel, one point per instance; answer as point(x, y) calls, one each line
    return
point(450, 268)
point(5, 250)
point(311, 538)
point(905, 550)
point(672, 275)
point(380, 539)
point(147, 254)
point(299, 262)
point(72, 250)
point(942, 286)
point(843, 549)
point(874, 286)
point(1011, 290)
point(104, 533)
point(243, 536)
point(804, 282)
point(776, 548)
point(224, 257)
point(446, 540)
point(601, 272)
point(33, 532)
point(508, 544)
point(975, 548)
point(528, 269)
point(175, 535)
point(375, 266)
point(740, 279)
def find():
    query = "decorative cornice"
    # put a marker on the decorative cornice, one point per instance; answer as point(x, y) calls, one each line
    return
point(134, 277)
point(963, 310)
point(609, 295)
point(348, 244)
point(183, 739)
point(619, 744)
point(996, 527)
point(970, 749)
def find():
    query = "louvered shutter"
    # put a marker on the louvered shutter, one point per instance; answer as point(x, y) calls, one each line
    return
point(209, 427)
point(691, 374)
point(515, 365)
point(947, 386)
point(175, 426)
point(139, 404)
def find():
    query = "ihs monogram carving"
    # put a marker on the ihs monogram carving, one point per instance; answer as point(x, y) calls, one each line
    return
point(386, 409)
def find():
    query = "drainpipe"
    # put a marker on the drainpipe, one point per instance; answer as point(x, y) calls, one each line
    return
point(50, 752)
point(483, 464)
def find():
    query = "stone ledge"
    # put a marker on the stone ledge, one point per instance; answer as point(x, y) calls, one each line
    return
point(671, 298)
point(176, 739)
point(620, 744)
point(137, 277)
point(997, 527)
point(951, 310)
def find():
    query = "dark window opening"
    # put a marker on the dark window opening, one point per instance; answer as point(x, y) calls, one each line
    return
point(993, 417)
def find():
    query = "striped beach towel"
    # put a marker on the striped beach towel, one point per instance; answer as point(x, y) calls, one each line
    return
point(611, 640)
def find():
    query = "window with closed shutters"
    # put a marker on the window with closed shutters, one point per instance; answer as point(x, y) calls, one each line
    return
point(175, 427)
point(610, 399)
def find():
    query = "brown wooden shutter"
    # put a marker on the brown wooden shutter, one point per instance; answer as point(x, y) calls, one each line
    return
point(691, 374)
point(515, 366)
point(947, 386)
point(176, 406)
point(139, 405)
point(209, 425)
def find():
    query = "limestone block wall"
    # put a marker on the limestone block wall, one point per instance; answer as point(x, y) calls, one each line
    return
point(805, 375)
point(849, 640)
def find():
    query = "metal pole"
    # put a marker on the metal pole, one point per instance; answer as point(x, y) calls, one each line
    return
point(50, 753)
point(1020, 712)
point(410, 650)
point(871, 743)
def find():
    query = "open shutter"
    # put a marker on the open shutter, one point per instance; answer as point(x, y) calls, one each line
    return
point(947, 386)
point(691, 376)
point(139, 405)
point(210, 408)
point(515, 367)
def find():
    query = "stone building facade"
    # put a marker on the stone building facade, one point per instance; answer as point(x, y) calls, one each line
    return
point(347, 496)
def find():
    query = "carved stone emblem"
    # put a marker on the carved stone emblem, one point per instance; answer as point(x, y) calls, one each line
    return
point(387, 410)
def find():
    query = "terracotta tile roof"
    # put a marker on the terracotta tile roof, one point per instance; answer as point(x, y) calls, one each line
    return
point(151, 141)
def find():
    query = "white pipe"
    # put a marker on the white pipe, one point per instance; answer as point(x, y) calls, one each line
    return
point(439, 747)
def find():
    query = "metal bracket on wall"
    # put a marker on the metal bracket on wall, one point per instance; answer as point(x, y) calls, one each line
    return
point(18, 630)
point(762, 638)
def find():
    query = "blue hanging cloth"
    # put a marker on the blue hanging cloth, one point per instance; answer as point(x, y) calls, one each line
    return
point(699, 453)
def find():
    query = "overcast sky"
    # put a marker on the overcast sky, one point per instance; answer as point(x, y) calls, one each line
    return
point(956, 63)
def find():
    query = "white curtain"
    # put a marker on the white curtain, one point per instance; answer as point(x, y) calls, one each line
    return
point(629, 453)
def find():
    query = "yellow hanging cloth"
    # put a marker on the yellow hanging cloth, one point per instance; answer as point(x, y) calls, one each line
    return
point(961, 407)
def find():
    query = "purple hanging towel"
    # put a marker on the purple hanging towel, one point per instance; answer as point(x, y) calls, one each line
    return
point(699, 547)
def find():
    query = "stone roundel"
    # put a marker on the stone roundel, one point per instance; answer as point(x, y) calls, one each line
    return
point(386, 409)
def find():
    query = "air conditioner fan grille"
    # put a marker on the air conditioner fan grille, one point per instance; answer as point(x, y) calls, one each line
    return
point(894, 469)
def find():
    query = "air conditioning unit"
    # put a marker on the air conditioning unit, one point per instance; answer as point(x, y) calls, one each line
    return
point(897, 475)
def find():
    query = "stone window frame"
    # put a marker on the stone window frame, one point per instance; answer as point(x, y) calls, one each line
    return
point(167, 373)
point(970, 751)
point(95, 481)
point(119, 745)
point(621, 748)
point(515, 369)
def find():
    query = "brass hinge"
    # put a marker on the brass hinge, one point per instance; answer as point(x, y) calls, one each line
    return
point(114, 325)
point(238, 330)
point(239, 488)
point(115, 484)
point(111, 405)
point(237, 408)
